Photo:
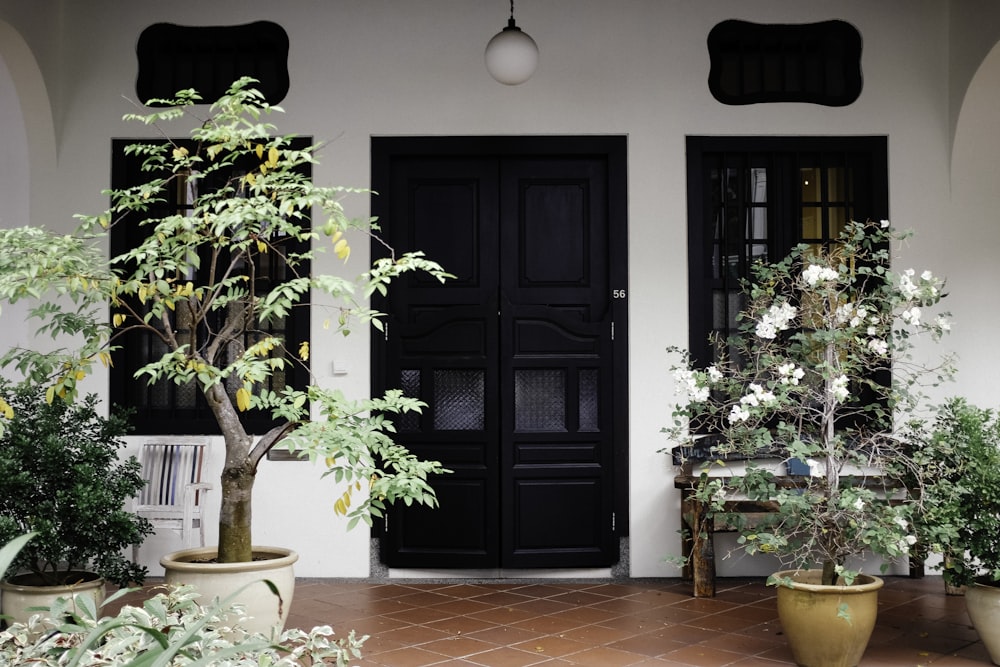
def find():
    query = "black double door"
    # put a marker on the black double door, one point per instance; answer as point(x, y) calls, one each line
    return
point(520, 358)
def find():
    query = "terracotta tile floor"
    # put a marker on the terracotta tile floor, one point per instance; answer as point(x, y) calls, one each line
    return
point(637, 622)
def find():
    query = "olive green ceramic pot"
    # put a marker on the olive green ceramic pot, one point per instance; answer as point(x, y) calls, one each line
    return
point(827, 626)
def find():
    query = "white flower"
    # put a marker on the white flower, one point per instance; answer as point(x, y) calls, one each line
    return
point(765, 329)
point(738, 414)
point(878, 346)
point(758, 396)
point(905, 544)
point(927, 276)
point(690, 382)
point(714, 374)
point(942, 323)
point(906, 286)
point(859, 504)
point(684, 378)
point(777, 318)
point(790, 373)
point(872, 331)
point(884, 224)
point(838, 388)
point(901, 522)
point(815, 273)
point(911, 316)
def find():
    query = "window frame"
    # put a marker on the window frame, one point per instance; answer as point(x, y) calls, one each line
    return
point(867, 154)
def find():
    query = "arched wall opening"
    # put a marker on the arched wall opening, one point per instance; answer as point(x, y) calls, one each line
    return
point(973, 234)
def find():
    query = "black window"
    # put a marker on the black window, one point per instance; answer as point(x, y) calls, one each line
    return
point(754, 198)
point(165, 407)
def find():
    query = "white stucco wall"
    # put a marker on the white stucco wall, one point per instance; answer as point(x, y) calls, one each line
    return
point(636, 67)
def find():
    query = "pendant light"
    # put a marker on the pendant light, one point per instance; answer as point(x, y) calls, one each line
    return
point(511, 56)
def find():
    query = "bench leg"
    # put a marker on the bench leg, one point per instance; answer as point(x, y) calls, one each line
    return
point(697, 547)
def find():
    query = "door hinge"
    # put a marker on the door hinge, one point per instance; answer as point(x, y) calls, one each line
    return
point(612, 522)
point(385, 331)
point(612, 330)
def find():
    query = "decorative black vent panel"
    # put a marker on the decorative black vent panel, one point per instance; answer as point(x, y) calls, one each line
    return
point(818, 63)
point(209, 58)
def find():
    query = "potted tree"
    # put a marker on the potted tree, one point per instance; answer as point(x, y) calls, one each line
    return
point(194, 282)
point(818, 376)
point(61, 477)
point(962, 521)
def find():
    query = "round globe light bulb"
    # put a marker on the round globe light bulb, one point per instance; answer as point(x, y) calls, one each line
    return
point(511, 56)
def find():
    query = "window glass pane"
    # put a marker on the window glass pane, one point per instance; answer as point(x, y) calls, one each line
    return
point(809, 180)
point(757, 185)
point(459, 400)
point(589, 400)
point(836, 184)
point(838, 220)
point(540, 400)
point(812, 222)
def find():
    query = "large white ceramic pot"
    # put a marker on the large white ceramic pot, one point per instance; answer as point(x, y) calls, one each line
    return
point(21, 592)
point(811, 617)
point(268, 612)
point(983, 603)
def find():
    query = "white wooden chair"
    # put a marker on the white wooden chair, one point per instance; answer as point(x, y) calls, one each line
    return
point(174, 494)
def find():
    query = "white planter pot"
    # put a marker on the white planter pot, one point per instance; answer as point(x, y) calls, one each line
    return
point(20, 594)
point(983, 603)
point(220, 580)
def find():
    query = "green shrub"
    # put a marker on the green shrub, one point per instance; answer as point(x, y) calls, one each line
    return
point(61, 477)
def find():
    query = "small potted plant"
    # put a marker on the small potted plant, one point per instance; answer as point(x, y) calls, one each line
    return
point(818, 374)
point(61, 478)
point(962, 500)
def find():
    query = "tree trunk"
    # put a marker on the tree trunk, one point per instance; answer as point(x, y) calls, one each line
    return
point(238, 475)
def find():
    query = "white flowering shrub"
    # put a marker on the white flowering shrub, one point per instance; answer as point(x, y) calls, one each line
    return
point(821, 371)
point(170, 629)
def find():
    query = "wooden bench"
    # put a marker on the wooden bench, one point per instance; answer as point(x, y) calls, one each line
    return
point(698, 526)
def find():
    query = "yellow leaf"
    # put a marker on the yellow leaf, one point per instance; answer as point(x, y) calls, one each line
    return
point(272, 157)
point(330, 460)
point(251, 178)
point(342, 249)
point(50, 394)
point(259, 150)
point(180, 153)
point(242, 399)
point(8, 412)
point(326, 323)
point(105, 359)
point(80, 375)
point(339, 507)
point(304, 350)
point(170, 303)
point(261, 246)
point(142, 293)
point(336, 236)
point(118, 319)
